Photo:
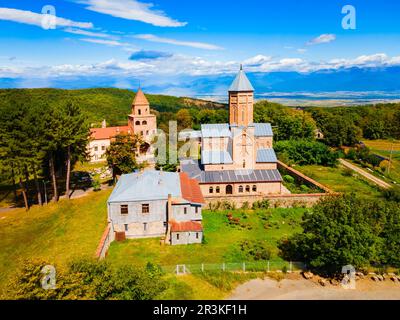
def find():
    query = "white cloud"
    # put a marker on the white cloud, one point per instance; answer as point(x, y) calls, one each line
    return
point(257, 60)
point(323, 38)
point(198, 45)
point(301, 50)
point(89, 33)
point(32, 18)
point(112, 43)
point(184, 65)
point(132, 10)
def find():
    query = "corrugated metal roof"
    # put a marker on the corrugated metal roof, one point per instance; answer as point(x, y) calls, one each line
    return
point(149, 185)
point(215, 130)
point(215, 157)
point(193, 134)
point(266, 156)
point(241, 83)
point(263, 130)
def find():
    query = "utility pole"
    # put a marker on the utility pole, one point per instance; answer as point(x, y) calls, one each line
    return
point(390, 158)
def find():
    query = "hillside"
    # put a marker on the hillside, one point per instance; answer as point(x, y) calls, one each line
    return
point(103, 103)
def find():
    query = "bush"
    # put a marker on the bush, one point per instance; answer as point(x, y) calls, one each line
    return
point(261, 204)
point(96, 184)
point(393, 194)
point(256, 249)
point(288, 178)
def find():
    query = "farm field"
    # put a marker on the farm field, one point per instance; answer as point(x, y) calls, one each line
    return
point(339, 180)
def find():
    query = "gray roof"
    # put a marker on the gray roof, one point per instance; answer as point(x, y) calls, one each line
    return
point(194, 170)
point(263, 130)
point(148, 185)
point(189, 134)
point(266, 156)
point(215, 130)
point(215, 157)
point(241, 83)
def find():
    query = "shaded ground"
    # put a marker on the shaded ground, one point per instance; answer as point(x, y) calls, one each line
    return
point(297, 288)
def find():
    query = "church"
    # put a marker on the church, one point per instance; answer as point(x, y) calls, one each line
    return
point(237, 158)
point(140, 122)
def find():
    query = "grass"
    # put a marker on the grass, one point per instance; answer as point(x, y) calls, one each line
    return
point(55, 233)
point(339, 180)
point(222, 240)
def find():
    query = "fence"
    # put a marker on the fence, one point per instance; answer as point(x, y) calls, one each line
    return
point(256, 266)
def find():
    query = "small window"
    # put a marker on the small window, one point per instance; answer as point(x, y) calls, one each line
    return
point(211, 190)
point(141, 133)
point(124, 209)
point(139, 112)
point(96, 148)
point(240, 189)
point(165, 225)
point(254, 188)
point(137, 123)
point(144, 226)
point(196, 209)
point(126, 227)
point(185, 210)
point(197, 235)
point(247, 188)
point(144, 123)
point(147, 132)
point(217, 190)
point(103, 148)
point(177, 236)
point(145, 208)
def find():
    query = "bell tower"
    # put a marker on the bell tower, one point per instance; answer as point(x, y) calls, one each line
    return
point(241, 99)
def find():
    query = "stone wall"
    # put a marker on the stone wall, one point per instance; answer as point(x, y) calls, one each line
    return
point(104, 244)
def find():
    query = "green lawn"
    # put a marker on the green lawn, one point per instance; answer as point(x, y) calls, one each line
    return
point(338, 180)
point(221, 239)
point(56, 233)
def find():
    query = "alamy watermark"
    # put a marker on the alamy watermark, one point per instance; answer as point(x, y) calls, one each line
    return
point(49, 18)
point(349, 21)
point(48, 281)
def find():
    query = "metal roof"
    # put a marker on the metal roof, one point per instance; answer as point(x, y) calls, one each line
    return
point(266, 156)
point(241, 83)
point(194, 170)
point(216, 157)
point(148, 185)
point(192, 134)
point(263, 130)
point(215, 130)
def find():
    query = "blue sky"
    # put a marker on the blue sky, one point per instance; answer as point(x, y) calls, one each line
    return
point(175, 39)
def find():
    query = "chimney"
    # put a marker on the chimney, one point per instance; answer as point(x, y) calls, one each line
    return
point(104, 124)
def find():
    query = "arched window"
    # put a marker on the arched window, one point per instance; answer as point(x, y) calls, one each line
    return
point(139, 112)
point(240, 189)
point(229, 189)
point(137, 123)
point(211, 190)
point(254, 188)
point(247, 188)
point(217, 190)
point(244, 164)
point(144, 123)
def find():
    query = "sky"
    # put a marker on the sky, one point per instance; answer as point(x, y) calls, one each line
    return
point(176, 39)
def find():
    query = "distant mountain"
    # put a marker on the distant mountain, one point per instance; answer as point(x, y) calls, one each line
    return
point(345, 79)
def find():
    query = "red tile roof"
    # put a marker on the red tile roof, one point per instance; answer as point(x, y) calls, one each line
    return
point(108, 133)
point(190, 189)
point(186, 226)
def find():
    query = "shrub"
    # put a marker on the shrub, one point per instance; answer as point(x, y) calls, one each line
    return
point(256, 249)
point(288, 178)
point(96, 184)
point(393, 194)
point(304, 188)
point(246, 205)
point(261, 204)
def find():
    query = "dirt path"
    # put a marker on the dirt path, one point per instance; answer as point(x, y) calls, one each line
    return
point(301, 289)
point(365, 174)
